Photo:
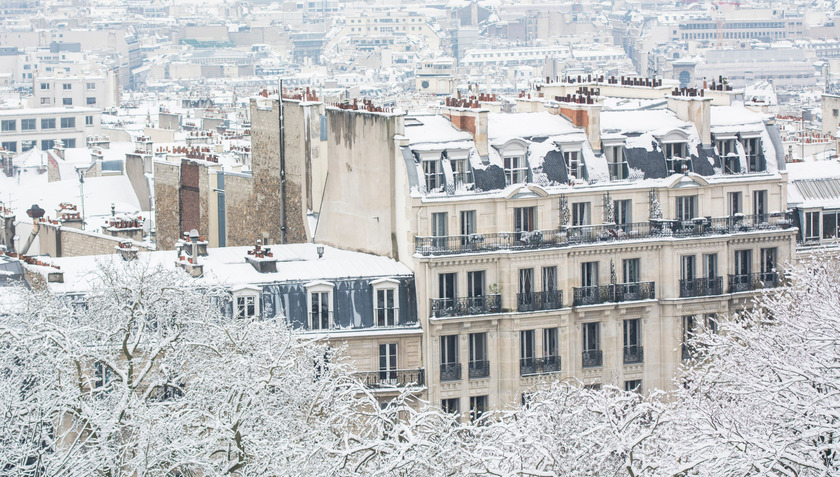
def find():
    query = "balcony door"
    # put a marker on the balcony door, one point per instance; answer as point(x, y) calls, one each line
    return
point(388, 363)
point(475, 288)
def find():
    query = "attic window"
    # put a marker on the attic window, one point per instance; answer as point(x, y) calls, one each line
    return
point(574, 166)
point(433, 172)
point(516, 170)
point(246, 303)
point(615, 160)
point(676, 156)
point(320, 305)
point(462, 172)
point(386, 303)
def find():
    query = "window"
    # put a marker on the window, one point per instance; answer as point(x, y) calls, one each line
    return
point(27, 124)
point(450, 406)
point(633, 385)
point(686, 207)
point(589, 274)
point(631, 270)
point(467, 222)
point(102, 375)
point(246, 306)
point(527, 352)
point(768, 264)
point(710, 265)
point(45, 100)
point(829, 224)
point(461, 171)
point(516, 170)
point(88, 120)
point(687, 268)
point(449, 368)
point(812, 225)
point(47, 144)
point(734, 203)
point(10, 146)
point(446, 289)
point(27, 145)
point(675, 157)
point(622, 210)
point(45, 86)
point(592, 345)
point(690, 327)
point(573, 164)
point(475, 288)
point(48, 123)
point(632, 333)
point(8, 125)
point(90, 101)
point(478, 406)
point(479, 367)
point(580, 213)
point(387, 311)
point(67, 101)
point(91, 85)
point(66, 86)
point(729, 155)
point(434, 175)
point(440, 229)
point(617, 164)
point(760, 205)
point(524, 220)
point(550, 343)
point(751, 151)
point(743, 262)
point(320, 305)
point(69, 143)
point(68, 123)
point(388, 362)
point(549, 280)
point(526, 283)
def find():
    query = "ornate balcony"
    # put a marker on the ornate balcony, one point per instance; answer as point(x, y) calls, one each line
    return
point(573, 235)
point(450, 371)
point(478, 305)
point(539, 301)
point(634, 354)
point(479, 369)
point(701, 287)
point(619, 292)
point(393, 378)
point(593, 358)
point(753, 281)
point(533, 366)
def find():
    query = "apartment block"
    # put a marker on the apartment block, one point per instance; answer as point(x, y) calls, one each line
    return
point(23, 129)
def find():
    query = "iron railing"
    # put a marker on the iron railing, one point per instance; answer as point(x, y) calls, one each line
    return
point(618, 292)
point(701, 287)
point(537, 301)
point(593, 358)
point(477, 305)
point(393, 378)
point(450, 371)
point(634, 354)
point(532, 366)
point(753, 281)
point(574, 235)
point(479, 369)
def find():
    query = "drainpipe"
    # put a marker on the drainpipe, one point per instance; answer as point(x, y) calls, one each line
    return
point(282, 166)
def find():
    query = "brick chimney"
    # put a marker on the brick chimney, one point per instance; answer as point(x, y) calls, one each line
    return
point(468, 115)
point(261, 259)
point(584, 111)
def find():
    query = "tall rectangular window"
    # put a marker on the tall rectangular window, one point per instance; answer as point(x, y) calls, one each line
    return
point(632, 333)
point(752, 147)
point(734, 203)
point(526, 281)
point(549, 279)
point(622, 212)
point(710, 268)
point(450, 406)
point(516, 170)
point(440, 228)
point(433, 175)
point(319, 311)
point(615, 161)
point(829, 224)
point(475, 288)
point(524, 220)
point(467, 222)
point(687, 267)
point(478, 406)
point(446, 288)
point(527, 344)
point(550, 343)
point(461, 171)
point(388, 362)
point(812, 225)
point(386, 308)
point(580, 213)
point(631, 273)
point(591, 336)
point(573, 164)
point(743, 262)
point(768, 263)
point(589, 274)
point(760, 205)
point(478, 366)
point(686, 207)
point(449, 349)
point(88, 120)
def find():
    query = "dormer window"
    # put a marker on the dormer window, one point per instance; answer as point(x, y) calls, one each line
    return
point(462, 172)
point(676, 157)
point(752, 147)
point(574, 167)
point(246, 303)
point(320, 305)
point(433, 172)
point(516, 170)
point(728, 153)
point(386, 302)
point(616, 162)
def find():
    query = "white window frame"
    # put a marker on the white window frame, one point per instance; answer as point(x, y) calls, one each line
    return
point(312, 288)
point(616, 162)
point(573, 158)
point(242, 295)
point(514, 162)
point(386, 285)
point(461, 175)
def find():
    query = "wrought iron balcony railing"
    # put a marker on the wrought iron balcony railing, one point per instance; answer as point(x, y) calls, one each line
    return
point(701, 287)
point(634, 354)
point(574, 235)
point(478, 305)
point(753, 281)
point(538, 301)
point(450, 371)
point(393, 378)
point(532, 366)
point(593, 358)
point(479, 369)
point(619, 292)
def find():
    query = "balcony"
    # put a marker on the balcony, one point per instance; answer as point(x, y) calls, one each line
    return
point(619, 292)
point(393, 378)
point(450, 371)
point(634, 354)
point(533, 366)
point(479, 369)
point(753, 281)
point(575, 235)
point(701, 287)
point(593, 358)
point(477, 305)
point(539, 301)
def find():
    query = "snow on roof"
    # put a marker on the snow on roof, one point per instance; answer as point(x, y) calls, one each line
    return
point(814, 184)
point(503, 127)
point(31, 158)
point(433, 129)
point(639, 122)
point(735, 116)
point(227, 266)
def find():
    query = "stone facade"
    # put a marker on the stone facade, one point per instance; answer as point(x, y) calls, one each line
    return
point(167, 204)
point(59, 241)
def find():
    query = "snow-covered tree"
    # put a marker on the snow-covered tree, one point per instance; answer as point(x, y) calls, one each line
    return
point(764, 396)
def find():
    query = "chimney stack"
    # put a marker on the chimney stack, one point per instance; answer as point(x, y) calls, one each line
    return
point(261, 259)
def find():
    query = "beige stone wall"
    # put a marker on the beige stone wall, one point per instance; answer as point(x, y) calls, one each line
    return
point(58, 241)
point(134, 169)
point(360, 188)
point(167, 204)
